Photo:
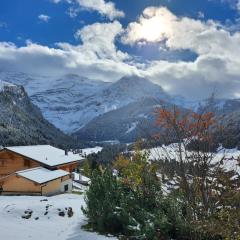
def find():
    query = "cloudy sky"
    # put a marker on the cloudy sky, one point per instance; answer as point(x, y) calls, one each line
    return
point(189, 47)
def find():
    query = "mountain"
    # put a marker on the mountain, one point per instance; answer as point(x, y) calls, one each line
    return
point(67, 102)
point(136, 120)
point(100, 111)
point(22, 123)
point(130, 89)
point(220, 106)
point(126, 124)
point(227, 112)
point(72, 101)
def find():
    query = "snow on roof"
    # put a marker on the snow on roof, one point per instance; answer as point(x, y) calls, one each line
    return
point(41, 175)
point(46, 154)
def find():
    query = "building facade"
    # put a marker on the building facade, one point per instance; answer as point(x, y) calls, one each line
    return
point(36, 170)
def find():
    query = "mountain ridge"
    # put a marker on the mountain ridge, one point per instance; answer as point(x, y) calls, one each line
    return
point(76, 104)
point(22, 123)
point(72, 101)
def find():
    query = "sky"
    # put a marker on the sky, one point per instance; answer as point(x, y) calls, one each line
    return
point(189, 47)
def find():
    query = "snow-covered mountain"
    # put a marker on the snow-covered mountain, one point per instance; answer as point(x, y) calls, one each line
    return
point(126, 124)
point(98, 110)
point(21, 122)
point(70, 102)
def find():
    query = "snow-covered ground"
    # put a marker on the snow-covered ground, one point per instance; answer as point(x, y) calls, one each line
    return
point(231, 156)
point(87, 151)
point(40, 226)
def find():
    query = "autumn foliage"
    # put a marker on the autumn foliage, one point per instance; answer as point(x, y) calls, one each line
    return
point(208, 188)
point(185, 125)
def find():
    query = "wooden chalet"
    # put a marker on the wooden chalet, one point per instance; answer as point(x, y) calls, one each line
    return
point(36, 170)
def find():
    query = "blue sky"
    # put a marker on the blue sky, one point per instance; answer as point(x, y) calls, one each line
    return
point(22, 23)
point(106, 40)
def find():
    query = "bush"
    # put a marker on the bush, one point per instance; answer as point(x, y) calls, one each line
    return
point(140, 213)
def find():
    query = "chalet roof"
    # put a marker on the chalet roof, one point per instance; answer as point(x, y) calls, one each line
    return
point(41, 175)
point(46, 154)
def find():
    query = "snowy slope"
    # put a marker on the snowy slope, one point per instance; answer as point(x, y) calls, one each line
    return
point(50, 226)
point(67, 102)
point(22, 123)
point(4, 85)
point(230, 156)
point(88, 151)
point(71, 101)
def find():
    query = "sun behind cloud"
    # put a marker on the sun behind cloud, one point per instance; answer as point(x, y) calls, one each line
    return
point(154, 25)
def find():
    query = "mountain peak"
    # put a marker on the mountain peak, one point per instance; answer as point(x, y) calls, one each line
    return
point(137, 87)
point(135, 80)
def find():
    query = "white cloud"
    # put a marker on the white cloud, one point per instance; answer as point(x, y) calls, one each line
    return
point(238, 5)
point(154, 25)
point(100, 39)
point(73, 12)
point(104, 8)
point(217, 64)
point(216, 67)
point(44, 18)
point(97, 57)
point(201, 15)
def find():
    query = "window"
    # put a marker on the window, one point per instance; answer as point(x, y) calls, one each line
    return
point(66, 188)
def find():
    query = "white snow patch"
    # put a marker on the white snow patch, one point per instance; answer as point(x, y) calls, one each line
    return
point(50, 226)
point(78, 176)
point(4, 84)
point(132, 127)
point(46, 154)
point(87, 151)
point(171, 151)
point(41, 175)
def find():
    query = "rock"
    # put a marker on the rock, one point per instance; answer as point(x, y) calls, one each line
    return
point(61, 214)
point(43, 200)
point(27, 216)
point(70, 212)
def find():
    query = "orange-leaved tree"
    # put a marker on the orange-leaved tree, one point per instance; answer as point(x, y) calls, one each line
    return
point(192, 138)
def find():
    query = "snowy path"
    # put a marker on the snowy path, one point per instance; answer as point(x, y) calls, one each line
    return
point(49, 226)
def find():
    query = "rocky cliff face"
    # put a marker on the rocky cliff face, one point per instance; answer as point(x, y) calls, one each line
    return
point(22, 123)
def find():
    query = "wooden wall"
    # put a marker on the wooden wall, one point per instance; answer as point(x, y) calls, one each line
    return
point(68, 167)
point(66, 178)
point(19, 184)
point(52, 187)
point(11, 162)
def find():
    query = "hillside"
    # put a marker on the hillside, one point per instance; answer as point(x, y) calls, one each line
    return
point(22, 123)
point(72, 101)
point(102, 111)
point(126, 124)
